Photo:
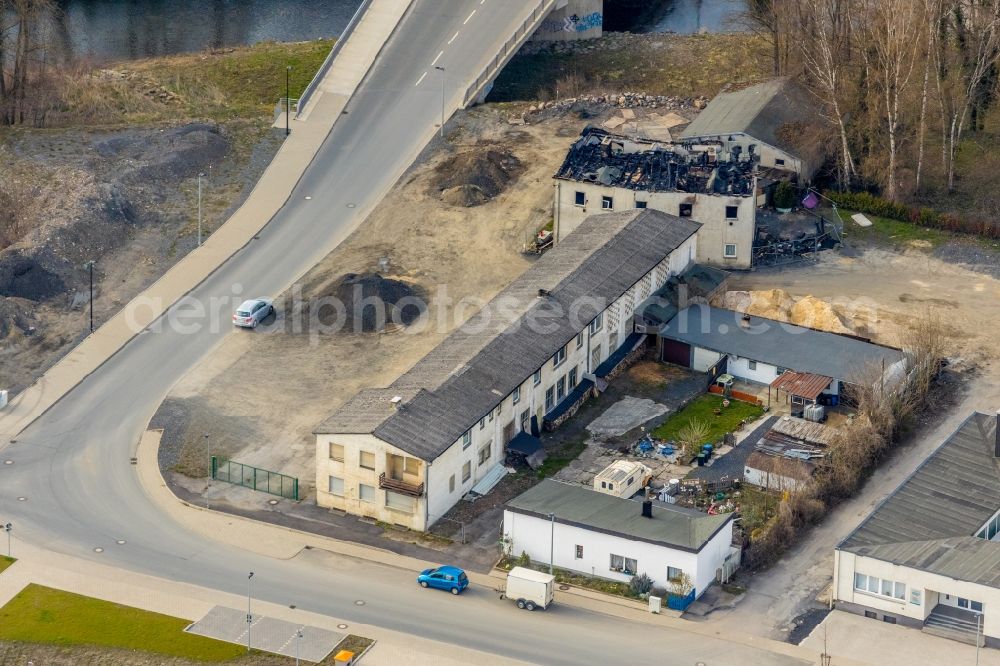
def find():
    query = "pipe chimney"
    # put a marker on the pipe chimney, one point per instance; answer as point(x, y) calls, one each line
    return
point(647, 508)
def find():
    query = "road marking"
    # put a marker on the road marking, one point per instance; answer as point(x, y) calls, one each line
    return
point(470, 17)
point(420, 79)
point(438, 58)
point(454, 37)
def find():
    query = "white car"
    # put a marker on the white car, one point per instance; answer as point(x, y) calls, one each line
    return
point(252, 312)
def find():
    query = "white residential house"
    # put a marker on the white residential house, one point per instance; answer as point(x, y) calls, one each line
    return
point(928, 556)
point(407, 453)
point(804, 364)
point(609, 537)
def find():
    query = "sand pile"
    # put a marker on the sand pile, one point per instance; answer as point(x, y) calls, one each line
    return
point(777, 304)
point(475, 176)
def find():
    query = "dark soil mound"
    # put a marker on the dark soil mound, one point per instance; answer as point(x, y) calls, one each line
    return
point(16, 318)
point(371, 302)
point(477, 175)
point(24, 277)
point(176, 153)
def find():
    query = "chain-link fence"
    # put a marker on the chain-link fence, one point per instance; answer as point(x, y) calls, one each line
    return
point(255, 478)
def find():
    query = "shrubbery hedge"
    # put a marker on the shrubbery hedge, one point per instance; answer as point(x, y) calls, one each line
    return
point(925, 217)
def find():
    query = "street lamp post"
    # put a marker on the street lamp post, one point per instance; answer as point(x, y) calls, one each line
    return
point(7, 528)
point(442, 70)
point(552, 542)
point(288, 100)
point(249, 614)
point(200, 176)
point(208, 449)
point(298, 638)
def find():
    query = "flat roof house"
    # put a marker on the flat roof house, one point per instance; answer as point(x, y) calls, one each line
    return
point(801, 362)
point(928, 556)
point(600, 535)
point(407, 453)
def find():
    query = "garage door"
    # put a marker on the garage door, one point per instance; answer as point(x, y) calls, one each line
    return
point(677, 352)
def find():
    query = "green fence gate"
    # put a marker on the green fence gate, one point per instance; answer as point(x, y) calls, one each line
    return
point(255, 478)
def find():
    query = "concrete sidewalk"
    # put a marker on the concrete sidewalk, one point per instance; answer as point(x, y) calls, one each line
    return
point(268, 196)
point(285, 543)
point(192, 603)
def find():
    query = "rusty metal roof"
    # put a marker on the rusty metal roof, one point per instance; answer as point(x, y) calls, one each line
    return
point(803, 384)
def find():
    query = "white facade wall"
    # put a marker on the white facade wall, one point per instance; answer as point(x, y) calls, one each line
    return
point(584, 355)
point(703, 359)
point(533, 535)
point(354, 475)
point(709, 209)
point(932, 589)
point(770, 480)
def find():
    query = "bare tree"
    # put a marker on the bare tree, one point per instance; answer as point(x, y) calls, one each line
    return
point(891, 31)
point(23, 58)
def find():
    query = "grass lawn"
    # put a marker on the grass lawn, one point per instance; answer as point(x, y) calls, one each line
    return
point(556, 460)
point(703, 408)
point(6, 562)
point(43, 615)
point(894, 232)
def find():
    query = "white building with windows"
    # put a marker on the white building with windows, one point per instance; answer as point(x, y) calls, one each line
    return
point(928, 556)
point(600, 535)
point(407, 453)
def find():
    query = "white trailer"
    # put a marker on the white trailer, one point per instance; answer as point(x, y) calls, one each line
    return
point(530, 589)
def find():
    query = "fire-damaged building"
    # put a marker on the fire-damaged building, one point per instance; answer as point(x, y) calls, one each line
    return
point(720, 173)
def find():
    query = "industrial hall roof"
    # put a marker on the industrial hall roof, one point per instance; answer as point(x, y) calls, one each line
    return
point(931, 520)
point(484, 360)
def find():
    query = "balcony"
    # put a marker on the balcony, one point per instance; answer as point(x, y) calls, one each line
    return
point(395, 485)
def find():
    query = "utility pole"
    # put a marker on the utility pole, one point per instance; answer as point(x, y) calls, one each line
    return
point(442, 70)
point(208, 449)
point(552, 542)
point(979, 624)
point(249, 614)
point(200, 176)
point(7, 528)
point(288, 101)
point(90, 266)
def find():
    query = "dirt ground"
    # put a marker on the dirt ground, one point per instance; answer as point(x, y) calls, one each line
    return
point(289, 382)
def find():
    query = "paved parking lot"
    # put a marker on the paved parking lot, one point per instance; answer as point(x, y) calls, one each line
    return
point(267, 634)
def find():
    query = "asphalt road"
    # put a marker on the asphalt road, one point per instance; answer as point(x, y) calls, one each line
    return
point(73, 468)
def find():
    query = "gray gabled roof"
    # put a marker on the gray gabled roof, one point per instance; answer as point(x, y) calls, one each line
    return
point(953, 492)
point(778, 112)
point(777, 343)
point(485, 359)
point(672, 526)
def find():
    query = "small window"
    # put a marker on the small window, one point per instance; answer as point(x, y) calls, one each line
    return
point(367, 460)
point(888, 618)
point(732, 212)
point(873, 584)
point(484, 453)
point(729, 252)
point(537, 377)
point(412, 467)
point(631, 566)
point(779, 162)
point(550, 398)
point(899, 590)
point(780, 370)
point(525, 420)
point(579, 552)
point(561, 388)
point(516, 396)
point(915, 597)
point(685, 210)
point(640, 204)
point(336, 452)
point(579, 340)
point(977, 606)
point(581, 199)
point(596, 325)
point(451, 484)
point(466, 471)
point(751, 365)
point(482, 423)
point(617, 562)
point(467, 439)
point(366, 493)
point(611, 485)
point(336, 486)
point(559, 358)
point(607, 203)
point(871, 615)
point(491, 415)
point(604, 484)
point(860, 581)
point(673, 573)
point(572, 379)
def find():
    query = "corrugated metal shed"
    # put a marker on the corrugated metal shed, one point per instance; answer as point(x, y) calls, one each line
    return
point(802, 384)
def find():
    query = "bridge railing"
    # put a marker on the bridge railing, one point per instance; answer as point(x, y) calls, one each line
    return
point(325, 67)
point(509, 48)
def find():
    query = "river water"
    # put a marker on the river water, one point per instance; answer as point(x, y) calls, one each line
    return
point(104, 30)
point(129, 29)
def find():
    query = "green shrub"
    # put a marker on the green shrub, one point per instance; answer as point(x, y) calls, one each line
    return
point(523, 560)
point(784, 195)
point(866, 202)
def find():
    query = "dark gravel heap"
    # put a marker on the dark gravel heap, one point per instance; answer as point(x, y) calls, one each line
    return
point(372, 301)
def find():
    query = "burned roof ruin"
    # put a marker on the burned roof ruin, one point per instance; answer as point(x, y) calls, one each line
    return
point(614, 160)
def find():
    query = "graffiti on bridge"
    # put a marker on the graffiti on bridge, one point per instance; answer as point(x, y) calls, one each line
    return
point(574, 23)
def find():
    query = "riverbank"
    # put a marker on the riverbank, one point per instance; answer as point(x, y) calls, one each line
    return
point(116, 182)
